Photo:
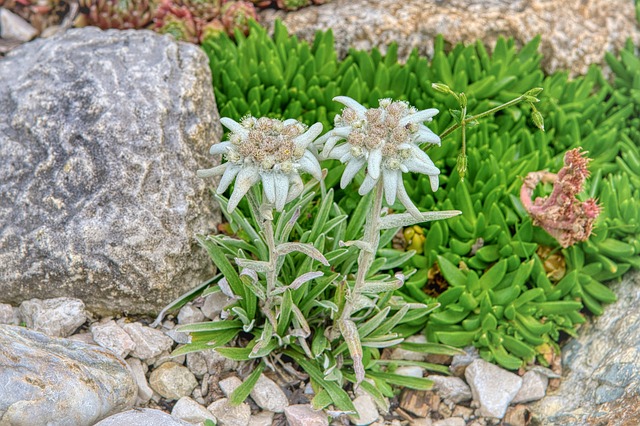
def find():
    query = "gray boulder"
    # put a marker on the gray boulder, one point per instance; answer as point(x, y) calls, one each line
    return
point(576, 33)
point(142, 417)
point(601, 368)
point(101, 134)
point(59, 382)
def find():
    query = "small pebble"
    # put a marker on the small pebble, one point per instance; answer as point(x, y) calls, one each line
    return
point(172, 381)
point(367, 410)
point(305, 415)
point(110, 336)
point(190, 411)
point(268, 395)
point(58, 317)
point(190, 314)
point(228, 385)
point(150, 342)
point(138, 369)
point(229, 415)
point(263, 418)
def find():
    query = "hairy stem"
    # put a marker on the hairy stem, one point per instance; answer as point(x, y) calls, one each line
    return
point(372, 239)
point(266, 226)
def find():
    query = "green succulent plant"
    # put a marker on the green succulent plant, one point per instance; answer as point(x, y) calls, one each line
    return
point(281, 76)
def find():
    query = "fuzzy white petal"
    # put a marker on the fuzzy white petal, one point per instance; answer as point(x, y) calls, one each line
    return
point(367, 185)
point(228, 177)
point(390, 180)
point(247, 177)
point(296, 187)
point(328, 146)
point(309, 163)
point(307, 137)
point(219, 148)
point(289, 121)
point(419, 117)
point(351, 103)
point(215, 171)
point(426, 135)
point(269, 186)
point(282, 189)
point(435, 182)
point(339, 151)
point(422, 157)
point(234, 126)
point(417, 166)
point(373, 165)
point(406, 201)
point(352, 169)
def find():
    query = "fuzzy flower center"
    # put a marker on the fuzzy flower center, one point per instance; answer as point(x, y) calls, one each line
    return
point(268, 145)
point(380, 128)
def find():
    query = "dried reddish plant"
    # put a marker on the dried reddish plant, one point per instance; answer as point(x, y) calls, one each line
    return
point(561, 214)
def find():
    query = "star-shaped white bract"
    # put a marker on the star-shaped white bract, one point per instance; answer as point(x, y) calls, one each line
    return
point(385, 140)
point(268, 150)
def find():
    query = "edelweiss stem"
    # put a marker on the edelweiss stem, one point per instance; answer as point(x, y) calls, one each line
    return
point(267, 229)
point(471, 118)
point(371, 239)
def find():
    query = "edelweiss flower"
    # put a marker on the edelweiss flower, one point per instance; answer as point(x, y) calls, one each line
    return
point(386, 140)
point(267, 150)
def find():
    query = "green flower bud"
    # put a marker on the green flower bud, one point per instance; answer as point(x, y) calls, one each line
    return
point(442, 88)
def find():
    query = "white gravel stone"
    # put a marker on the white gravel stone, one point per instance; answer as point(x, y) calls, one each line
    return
point(534, 387)
point(268, 395)
point(178, 336)
point(8, 314)
point(149, 342)
point(451, 421)
point(172, 381)
point(166, 357)
point(406, 355)
point(410, 371)
point(142, 417)
point(305, 415)
point(214, 304)
point(189, 314)
point(367, 410)
point(263, 418)
point(228, 385)
point(14, 27)
point(58, 317)
point(84, 338)
point(229, 415)
point(190, 411)
point(110, 336)
point(209, 361)
point(492, 387)
point(421, 421)
point(139, 374)
point(453, 389)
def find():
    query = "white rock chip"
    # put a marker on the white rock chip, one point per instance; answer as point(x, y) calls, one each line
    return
point(144, 391)
point(190, 411)
point(460, 362)
point(142, 417)
point(410, 355)
point(14, 27)
point(268, 395)
point(229, 415)
point(58, 317)
point(84, 338)
point(305, 415)
point(172, 381)
point(367, 410)
point(149, 342)
point(189, 314)
point(214, 304)
point(209, 361)
point(9, 315)
point(110, 336)
point(452, 388)
point(492, 387)
point(228, 385)
point(451, 421)
point(534, 387)
point(410, 371)
point(263, 418)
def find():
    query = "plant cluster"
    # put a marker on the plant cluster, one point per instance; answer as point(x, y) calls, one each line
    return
point(503, 284)
point(186, 20)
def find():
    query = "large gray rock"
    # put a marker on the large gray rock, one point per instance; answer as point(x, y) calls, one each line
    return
point(142, 417)
point(99, 199)
point(51, 381)
point(576, 33)
point(601, 368)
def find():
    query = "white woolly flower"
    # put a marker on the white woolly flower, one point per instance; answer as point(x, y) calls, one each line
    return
point(267, 150)
point(385, 140)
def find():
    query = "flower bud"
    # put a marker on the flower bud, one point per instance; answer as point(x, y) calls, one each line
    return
point(442, 88)
point(537, 119)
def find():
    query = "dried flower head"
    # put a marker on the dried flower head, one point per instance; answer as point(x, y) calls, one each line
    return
point(385, 140)
point(267, 150)
point(561, 214)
